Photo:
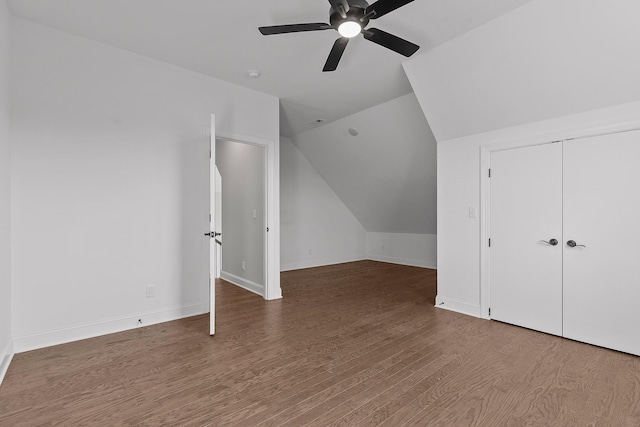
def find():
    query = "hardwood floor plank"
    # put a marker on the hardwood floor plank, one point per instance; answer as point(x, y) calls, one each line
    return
point(353, 344)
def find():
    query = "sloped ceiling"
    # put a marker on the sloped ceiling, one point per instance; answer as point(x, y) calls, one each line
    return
point(547, 59)
point(386, 175)
point(221, 39)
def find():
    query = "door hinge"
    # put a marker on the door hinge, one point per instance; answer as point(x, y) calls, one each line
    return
point(489, 173)
point(267, 229)
point(489, 242)
point(489, 311)
point(209, 217)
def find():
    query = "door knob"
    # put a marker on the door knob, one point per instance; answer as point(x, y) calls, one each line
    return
point(573, 244)
point(551, 242)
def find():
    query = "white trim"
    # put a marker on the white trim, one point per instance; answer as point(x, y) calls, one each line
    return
point(91, 330)
point(272, 290)
point(254, 287)
point(462, 307)
point(241, 137)
point(621, 118)
point(5, 360)
point(213, 209)
point(485, 231)
point(403, 261)
point(300, 265)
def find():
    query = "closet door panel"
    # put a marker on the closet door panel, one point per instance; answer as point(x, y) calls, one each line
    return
point(601, 280)
point(526, 211)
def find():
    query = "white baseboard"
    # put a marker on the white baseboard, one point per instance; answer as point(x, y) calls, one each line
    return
point(299, 265)
point(403, 261)
point(81, 332)
point(243, 283)
point(458, 306)
point(5, 360)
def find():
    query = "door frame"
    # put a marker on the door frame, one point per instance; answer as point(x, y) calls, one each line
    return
point(560, 130)
point(265, 208)
point(272, 207)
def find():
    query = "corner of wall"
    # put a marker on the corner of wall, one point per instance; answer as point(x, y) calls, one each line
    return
point(417, 250)
point(5, 360)
point(317, 227)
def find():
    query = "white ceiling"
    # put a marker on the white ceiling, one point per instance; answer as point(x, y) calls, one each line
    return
point(221, 39)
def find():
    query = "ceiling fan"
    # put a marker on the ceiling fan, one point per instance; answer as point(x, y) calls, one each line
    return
point(349, 18)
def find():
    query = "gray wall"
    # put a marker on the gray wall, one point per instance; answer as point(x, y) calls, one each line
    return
point(242, 167)
point(386, 175)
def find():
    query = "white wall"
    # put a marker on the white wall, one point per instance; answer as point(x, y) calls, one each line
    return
point(317, 228)
point(107, 190)
point(461, 240)
point(546, 59)
point(242, 168)
point(419, 250)
point(522, 84)
point(5, 198)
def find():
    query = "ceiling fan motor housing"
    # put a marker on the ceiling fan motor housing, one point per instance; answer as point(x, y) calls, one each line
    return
point(356, 13)
point(358, 3)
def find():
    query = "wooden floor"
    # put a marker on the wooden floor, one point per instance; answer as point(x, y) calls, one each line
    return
point(354, 344)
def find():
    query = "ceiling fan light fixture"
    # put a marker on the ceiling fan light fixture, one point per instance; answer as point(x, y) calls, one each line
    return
point(349, 29)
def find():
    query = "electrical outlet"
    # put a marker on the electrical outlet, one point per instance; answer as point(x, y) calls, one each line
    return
point(255, 214)
point(151, 291)
point(244, 265)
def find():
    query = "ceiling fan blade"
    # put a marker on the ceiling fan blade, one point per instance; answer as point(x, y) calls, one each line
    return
point(382, 7)
point(294, 28)
point(395, 43)
point(336, 53)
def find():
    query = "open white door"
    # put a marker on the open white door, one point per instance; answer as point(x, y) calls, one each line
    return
point(213, 250)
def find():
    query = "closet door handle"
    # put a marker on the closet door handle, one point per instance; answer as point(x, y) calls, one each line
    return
point(573, 244)
point(551, 242)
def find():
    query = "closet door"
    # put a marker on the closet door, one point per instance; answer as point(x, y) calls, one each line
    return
point(602, 212)
point(526, 214)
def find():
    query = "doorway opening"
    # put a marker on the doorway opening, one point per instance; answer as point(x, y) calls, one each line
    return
point(243, 220)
